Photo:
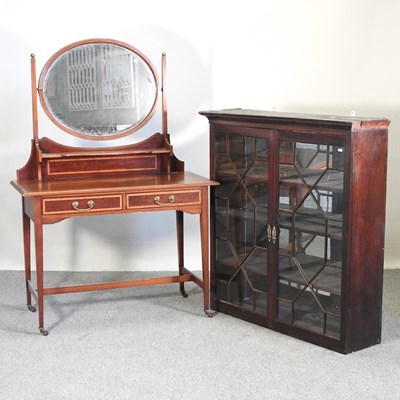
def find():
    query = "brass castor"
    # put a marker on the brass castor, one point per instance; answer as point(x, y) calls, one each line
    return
point(31, 308)
point(43, 331)
point(209, 313)
point(183, 293)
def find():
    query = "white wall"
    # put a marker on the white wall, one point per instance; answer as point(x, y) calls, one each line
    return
point(314, 56)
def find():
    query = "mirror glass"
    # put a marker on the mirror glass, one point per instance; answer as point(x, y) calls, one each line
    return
point(99, 90)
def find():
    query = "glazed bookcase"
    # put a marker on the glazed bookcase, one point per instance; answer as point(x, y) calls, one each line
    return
point(297, 230)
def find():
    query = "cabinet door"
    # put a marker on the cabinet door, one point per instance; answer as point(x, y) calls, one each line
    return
point(239, 268)
point(311, 181)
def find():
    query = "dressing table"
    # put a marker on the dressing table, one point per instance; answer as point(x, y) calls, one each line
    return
point(102, 89)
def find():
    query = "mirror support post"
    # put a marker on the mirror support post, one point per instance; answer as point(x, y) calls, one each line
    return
point(34, 98)
point(164, 95)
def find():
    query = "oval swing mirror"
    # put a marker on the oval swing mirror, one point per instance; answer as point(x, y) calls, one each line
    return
point(99, 89)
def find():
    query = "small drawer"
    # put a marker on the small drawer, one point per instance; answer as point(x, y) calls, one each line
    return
point(163, 199)
point(81, 204)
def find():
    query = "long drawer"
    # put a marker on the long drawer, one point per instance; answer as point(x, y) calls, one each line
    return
point(82, 204)
point(163, 199)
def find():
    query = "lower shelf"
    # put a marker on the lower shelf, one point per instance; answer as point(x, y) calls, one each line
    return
point(240, 294)
point(312, 310)
point(310, 318)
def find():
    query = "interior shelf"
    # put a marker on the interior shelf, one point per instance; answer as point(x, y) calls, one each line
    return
point(289, 177)
point(258, 175)
point(323, 277)
point(306, 220)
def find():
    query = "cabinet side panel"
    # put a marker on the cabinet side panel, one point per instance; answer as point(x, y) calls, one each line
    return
point(366, 237)
point(213, 298)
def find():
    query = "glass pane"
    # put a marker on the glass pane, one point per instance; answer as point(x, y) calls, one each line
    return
point(226, 175)
point(310, 240)
point(241, 204)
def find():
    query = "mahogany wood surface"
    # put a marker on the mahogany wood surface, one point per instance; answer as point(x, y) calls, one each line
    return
point(107, 190)
point(133, 183)
point(59, 182)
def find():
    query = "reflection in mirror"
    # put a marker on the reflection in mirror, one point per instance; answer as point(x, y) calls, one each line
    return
point(99, 90)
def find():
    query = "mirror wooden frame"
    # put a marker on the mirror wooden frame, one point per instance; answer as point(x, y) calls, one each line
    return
point(39, 89)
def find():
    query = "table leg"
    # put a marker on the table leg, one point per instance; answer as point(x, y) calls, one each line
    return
point(179, 232)
point(205, 255)
point(26, 225)
point(39, 274)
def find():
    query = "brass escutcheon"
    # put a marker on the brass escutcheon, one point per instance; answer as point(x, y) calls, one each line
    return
point(274, 234)
point(269, 233)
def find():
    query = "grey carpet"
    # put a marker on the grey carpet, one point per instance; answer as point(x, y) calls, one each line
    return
point(150, 343)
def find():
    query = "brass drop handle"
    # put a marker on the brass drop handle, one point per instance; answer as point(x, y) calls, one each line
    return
point(75, 205)
point(157, 200)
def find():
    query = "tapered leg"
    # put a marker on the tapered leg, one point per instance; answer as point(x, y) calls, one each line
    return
point(39, 274)
point(204, 254)
point(179, 232)
point(26, 226)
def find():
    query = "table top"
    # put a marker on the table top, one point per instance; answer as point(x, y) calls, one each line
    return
point(133, 183)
